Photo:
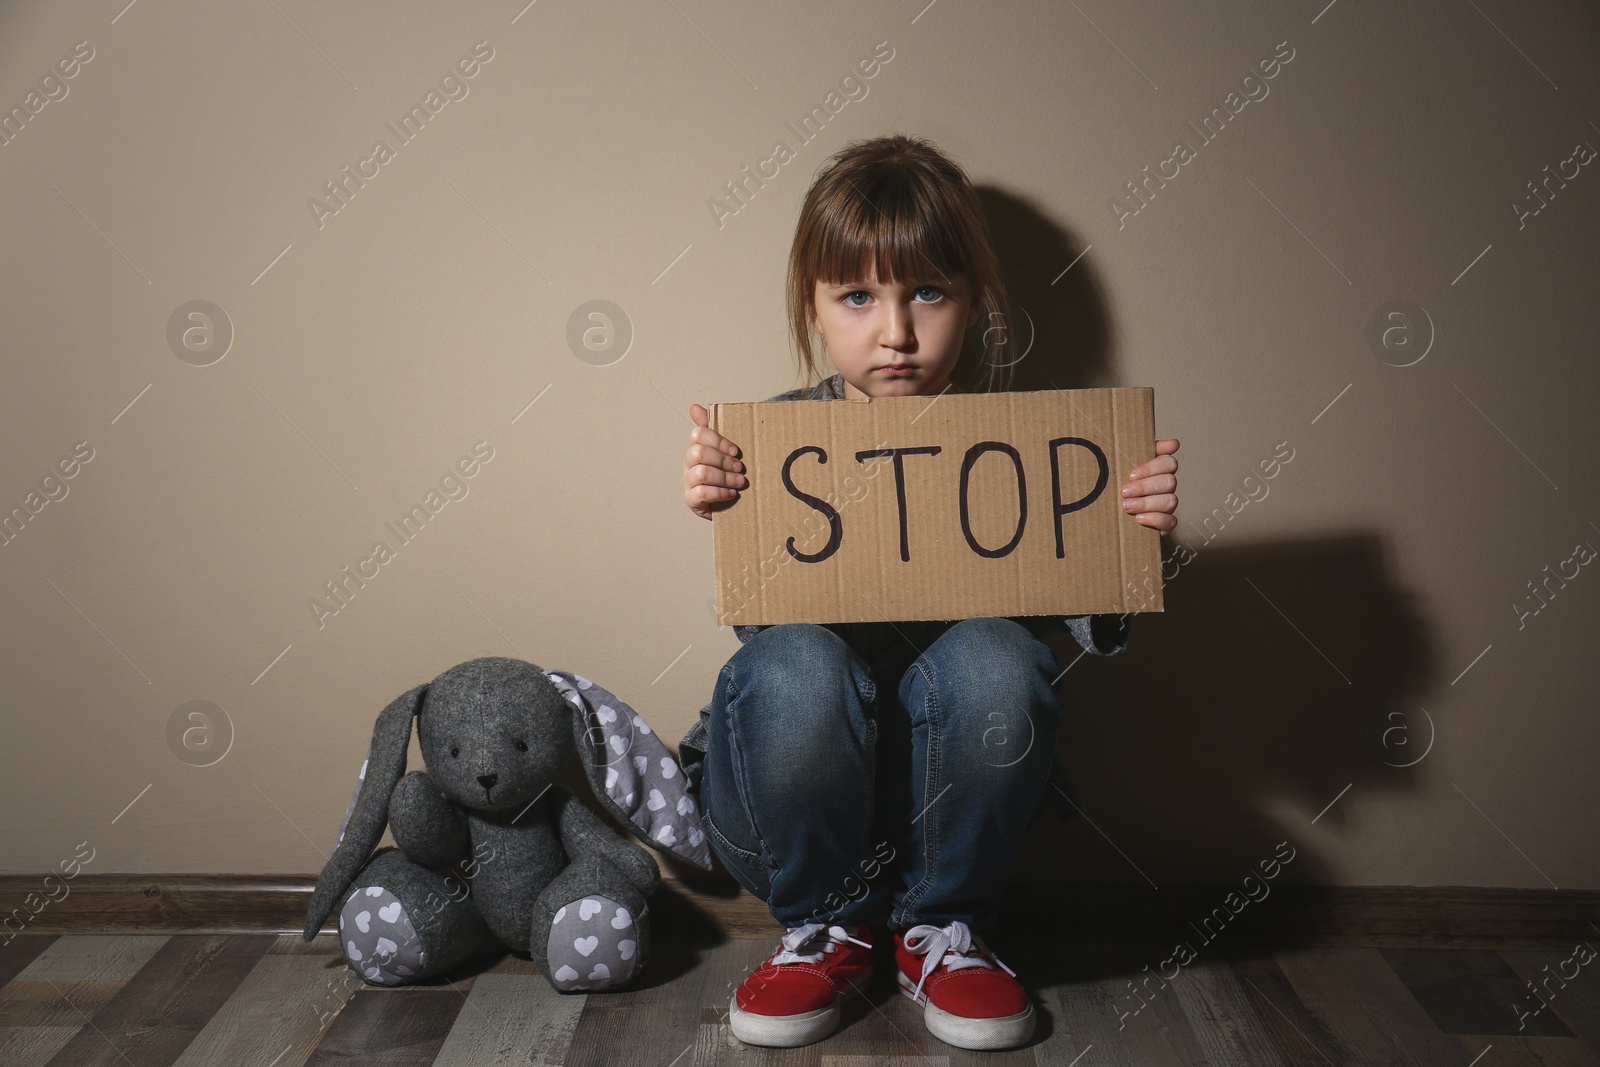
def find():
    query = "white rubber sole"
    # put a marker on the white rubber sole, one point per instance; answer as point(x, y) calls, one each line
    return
point(1011, 1031)
point(788, 1031)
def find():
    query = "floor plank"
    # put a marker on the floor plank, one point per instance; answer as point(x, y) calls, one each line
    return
point(1222, 1017)
point(725, 967)
point(399, 1027)
point(155, 1015)
point(1363, 1002)
point(1472, 991)
point(1300, 1037)
point(1528, 1051)
point(512, 1019)
point(1157, 1016)
point(16, 954)
point(277, 1014)
point(643, 1026)
point(21, 1045)
point(1091, 1026)
point(57, 994)
point(1576, 1002)
point(264, 1001)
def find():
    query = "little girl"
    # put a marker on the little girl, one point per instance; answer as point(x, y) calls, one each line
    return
point(849, 774)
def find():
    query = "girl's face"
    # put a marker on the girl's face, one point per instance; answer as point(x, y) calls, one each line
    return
point(916, 325)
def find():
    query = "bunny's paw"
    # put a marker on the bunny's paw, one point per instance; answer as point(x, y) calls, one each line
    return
point(378, 939)
point(594, 945)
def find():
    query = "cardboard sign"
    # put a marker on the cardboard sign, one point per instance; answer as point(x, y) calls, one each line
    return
point(958, 506)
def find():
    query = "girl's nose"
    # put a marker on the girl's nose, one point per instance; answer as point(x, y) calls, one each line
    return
point(896, 327)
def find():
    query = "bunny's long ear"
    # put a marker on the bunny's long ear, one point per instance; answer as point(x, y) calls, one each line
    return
point(368, 814)
point(631, 772)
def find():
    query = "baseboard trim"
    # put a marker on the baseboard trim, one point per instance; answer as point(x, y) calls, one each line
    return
point(1327, 916)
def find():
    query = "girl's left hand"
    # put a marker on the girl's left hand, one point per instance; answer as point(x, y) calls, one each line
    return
point(1151, 492)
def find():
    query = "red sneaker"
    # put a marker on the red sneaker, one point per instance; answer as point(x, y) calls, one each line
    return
point(793, 998)
point(970, 999)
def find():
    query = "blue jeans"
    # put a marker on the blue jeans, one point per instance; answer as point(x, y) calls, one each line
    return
point(852, 777)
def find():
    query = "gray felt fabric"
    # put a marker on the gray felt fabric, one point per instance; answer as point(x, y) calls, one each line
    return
point(361, 776)
point(494, 733)
point(429, 829)
point(364, 824)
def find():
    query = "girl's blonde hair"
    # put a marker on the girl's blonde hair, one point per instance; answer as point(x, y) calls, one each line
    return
point(899, 204)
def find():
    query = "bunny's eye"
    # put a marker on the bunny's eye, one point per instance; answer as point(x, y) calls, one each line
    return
point(455, 752)
point(522, 746)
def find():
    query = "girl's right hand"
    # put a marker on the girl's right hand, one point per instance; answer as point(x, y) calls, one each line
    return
point(712, 472)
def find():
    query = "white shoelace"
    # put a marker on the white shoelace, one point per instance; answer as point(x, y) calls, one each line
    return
point(797, 939)
point(951, 945)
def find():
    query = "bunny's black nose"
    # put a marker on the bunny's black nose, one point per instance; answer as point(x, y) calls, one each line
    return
point(488, 780)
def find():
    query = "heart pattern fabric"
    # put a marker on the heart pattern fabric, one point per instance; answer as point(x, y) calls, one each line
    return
point(378, 938)
point(640, 776)
point(594, 944)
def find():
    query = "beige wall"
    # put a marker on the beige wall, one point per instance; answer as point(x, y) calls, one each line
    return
point(370, 353)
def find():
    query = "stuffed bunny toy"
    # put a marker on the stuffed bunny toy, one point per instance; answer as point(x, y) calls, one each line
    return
point(548, 877)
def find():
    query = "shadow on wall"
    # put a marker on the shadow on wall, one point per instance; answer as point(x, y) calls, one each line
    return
point(1062, 329)
point(1277, 673)
point(1280, 673)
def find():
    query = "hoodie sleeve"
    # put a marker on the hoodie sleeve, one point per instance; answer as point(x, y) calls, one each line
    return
point(1103, 635)
point(692, 751)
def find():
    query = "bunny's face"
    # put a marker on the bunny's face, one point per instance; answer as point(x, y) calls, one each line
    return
point(494, 733)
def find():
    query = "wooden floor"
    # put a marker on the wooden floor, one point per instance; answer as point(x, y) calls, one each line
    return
point(274, 1001)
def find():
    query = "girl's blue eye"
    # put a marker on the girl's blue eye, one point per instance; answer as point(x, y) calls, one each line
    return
point(933, 289)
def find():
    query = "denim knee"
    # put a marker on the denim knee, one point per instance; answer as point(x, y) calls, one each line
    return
point(797, 690)
point(790, 713)
point(992, 680)
point(994, 655)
